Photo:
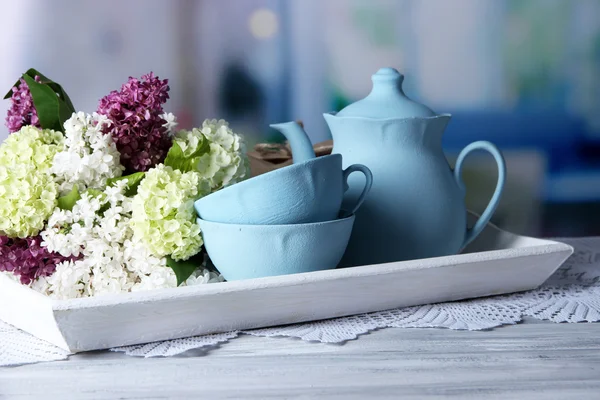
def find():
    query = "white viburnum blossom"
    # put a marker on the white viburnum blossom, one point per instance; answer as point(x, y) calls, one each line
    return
point(113, 261)
point(163, 216)
point(89, 158)
point(226, 162)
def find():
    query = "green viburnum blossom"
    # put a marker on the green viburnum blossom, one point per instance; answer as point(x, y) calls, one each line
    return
point(163, 215)
point(28, 193)
point(220, 154)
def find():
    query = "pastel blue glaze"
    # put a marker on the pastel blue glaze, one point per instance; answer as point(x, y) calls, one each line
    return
point(386, 100)
point(302, 148)
point(300, 193)
point(256, 251)
point(416, 206)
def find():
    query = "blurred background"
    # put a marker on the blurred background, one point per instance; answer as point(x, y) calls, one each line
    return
point(524, 74)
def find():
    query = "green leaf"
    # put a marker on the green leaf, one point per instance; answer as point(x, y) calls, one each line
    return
point(51, 110)
point(67, 109)
point(62, 95)
point(58, 89)
point(46, 103)
point(30, 72)
point(66, 100)
point(177, 160)
point(64, 113)
point(184, 269)
point(133, 181)
point(10, 92)
point(67, 201)
point(17, 84)
point(53, 85)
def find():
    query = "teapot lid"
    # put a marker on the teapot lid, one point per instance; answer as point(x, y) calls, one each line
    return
point(386, 100)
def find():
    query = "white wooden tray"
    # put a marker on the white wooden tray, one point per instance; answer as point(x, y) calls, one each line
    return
point(497, 262)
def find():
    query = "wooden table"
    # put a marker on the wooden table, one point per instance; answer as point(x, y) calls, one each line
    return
point(528, 361)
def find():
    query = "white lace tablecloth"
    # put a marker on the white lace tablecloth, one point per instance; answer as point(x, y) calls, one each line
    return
point(572, 295)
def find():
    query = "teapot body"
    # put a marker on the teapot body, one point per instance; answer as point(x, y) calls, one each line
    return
point(416, 208)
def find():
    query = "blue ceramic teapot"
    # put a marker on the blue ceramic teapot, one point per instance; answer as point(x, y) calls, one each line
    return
point(416, 207)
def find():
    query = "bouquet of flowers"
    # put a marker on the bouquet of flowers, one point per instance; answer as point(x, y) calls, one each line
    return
point(103, 203)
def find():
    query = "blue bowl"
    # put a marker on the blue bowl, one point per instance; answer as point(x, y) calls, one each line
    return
point(256, 251)
point(311, 191)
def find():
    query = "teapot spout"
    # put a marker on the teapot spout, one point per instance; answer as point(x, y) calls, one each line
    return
point(302, 149)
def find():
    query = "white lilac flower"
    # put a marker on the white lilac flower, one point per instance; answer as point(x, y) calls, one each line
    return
point(114, 261)
point(202, 276)
point(11, 276)
point(68, 281)
point(170, 122)
point(40, 284)
point(89, 158)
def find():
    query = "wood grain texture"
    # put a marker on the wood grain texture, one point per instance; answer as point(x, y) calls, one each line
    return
point(527, 361)
point(498, 262)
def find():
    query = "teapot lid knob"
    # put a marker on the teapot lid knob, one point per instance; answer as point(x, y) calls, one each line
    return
point(387, 99)
point(388, 74)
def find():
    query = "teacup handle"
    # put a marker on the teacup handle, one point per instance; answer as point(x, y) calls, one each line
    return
point(493, 204)
point(368, 183)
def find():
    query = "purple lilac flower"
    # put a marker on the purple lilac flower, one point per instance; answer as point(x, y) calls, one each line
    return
point(22, 111)
point(137, 126)
point(27, 259)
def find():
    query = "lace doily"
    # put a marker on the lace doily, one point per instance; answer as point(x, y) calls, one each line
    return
point(572, 294)
point(18, 347)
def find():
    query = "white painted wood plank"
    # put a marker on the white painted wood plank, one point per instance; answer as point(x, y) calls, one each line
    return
point(500, 262)
point(131, 323)
point(527, 361)
point(30, 311)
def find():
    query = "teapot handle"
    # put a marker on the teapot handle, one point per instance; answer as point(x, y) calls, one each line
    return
point(368, 183)
point(493, 204)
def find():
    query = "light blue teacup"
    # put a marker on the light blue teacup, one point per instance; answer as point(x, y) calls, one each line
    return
point(256, 251)
point(311, 191)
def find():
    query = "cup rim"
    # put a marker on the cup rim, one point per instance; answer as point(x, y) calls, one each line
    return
point(268, 226)
point(279, 171)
